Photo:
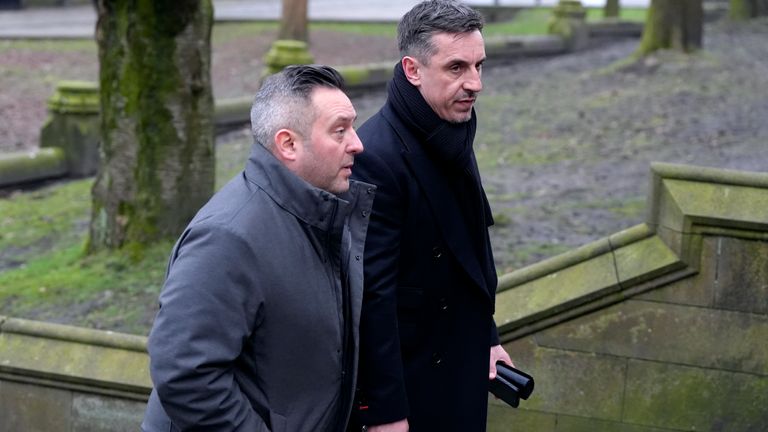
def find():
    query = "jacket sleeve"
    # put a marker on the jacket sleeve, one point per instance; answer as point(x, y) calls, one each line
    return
point(208, 307)
point(382, 394)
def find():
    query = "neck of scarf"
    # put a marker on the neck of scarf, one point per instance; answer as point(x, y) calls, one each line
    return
point(449, 145)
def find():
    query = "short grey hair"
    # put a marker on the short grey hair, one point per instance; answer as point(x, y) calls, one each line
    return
point(417, 26)
point(284, 100)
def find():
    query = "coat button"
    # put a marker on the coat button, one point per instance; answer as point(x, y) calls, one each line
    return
point(437, 252)
point(369, 190)
point(365, 213)
point(443, 302)
point(436, 359)
point(357, 257)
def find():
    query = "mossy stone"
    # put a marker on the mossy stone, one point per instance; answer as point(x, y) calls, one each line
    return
point(285, 53)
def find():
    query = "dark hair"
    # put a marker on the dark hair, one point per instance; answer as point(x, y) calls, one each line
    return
point(302, 79)
point(418, 25)
point(283, 101)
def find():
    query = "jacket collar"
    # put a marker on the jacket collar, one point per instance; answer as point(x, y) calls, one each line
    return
point(312, 205)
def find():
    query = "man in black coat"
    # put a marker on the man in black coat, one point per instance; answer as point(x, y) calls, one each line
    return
point(428, 340)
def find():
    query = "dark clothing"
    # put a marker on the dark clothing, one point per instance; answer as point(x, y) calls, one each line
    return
point(257, 328)
point(427, 326)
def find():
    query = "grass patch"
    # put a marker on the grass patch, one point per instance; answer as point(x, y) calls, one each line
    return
point(46, 219)
point(535, 21)
point(49, 45)
point(44, 274)
point(367, 29)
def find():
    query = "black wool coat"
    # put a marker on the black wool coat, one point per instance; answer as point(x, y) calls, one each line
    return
point(427, 317)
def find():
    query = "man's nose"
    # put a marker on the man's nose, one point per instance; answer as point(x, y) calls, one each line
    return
point(355, 146)
point(473, 82)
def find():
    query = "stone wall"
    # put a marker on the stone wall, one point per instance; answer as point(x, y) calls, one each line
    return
point(660, 328)
point(67, 379)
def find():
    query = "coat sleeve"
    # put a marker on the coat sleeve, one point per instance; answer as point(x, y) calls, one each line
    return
point(208, 308)
point(382, 393)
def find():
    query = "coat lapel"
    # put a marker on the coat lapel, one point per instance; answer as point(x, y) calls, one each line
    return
point(443, 203)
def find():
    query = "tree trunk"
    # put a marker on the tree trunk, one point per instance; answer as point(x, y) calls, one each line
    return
point(612, 9)
point(747, 9)
point(673, 24)
point(157, 165)
point(293, 23)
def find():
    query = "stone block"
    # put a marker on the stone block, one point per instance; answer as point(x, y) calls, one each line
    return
point(732, 206)
point(644, 260)
point(285, 53)
point(697, 290)
point(585, 424)
point(668, 333)
point(75, 357)
point(574, 383)
point(557, 291)
point(614, 28)
point(503, 418)
point(742, 275)
point(20, 167)
point(74, 126)
point(100, 414)
point(568, 21)
point(689, 398)
point(28, 407)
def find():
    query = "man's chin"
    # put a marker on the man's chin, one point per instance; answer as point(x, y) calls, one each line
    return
point(461, 118)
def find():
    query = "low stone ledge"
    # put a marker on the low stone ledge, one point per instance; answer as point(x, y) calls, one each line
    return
point(573, 257)
point(597, 274)
point(74, 358)
point(21, 167)
point(505, 48)
point(231, 113)
point(612, 28)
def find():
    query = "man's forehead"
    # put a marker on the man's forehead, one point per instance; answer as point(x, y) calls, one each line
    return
point(468, 46)
point(333, 104)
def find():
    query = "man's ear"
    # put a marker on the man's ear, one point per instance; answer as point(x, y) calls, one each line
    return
point(285, 145)
point(411, 69)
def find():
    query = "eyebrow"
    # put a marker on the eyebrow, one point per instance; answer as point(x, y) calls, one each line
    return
point(345, 119)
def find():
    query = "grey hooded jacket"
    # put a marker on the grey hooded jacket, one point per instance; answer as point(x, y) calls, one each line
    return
point(258, 322)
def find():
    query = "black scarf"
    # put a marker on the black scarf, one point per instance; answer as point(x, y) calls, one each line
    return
point(449, 145)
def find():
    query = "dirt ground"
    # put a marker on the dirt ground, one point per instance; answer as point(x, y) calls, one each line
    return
point(565, 142)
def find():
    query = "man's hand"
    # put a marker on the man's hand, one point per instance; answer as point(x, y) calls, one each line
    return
point(498, 354)
point(398, 426)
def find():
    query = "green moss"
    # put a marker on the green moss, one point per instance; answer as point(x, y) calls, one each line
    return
point(46, 219)
point(48, 45)
point(370, 29)
point(111, 289)
point(166, 106)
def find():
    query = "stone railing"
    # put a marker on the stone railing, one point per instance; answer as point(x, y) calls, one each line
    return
point(61, 378)
point(661, 327)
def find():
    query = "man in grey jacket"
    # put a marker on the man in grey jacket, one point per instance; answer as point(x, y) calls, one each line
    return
point(258, 322)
